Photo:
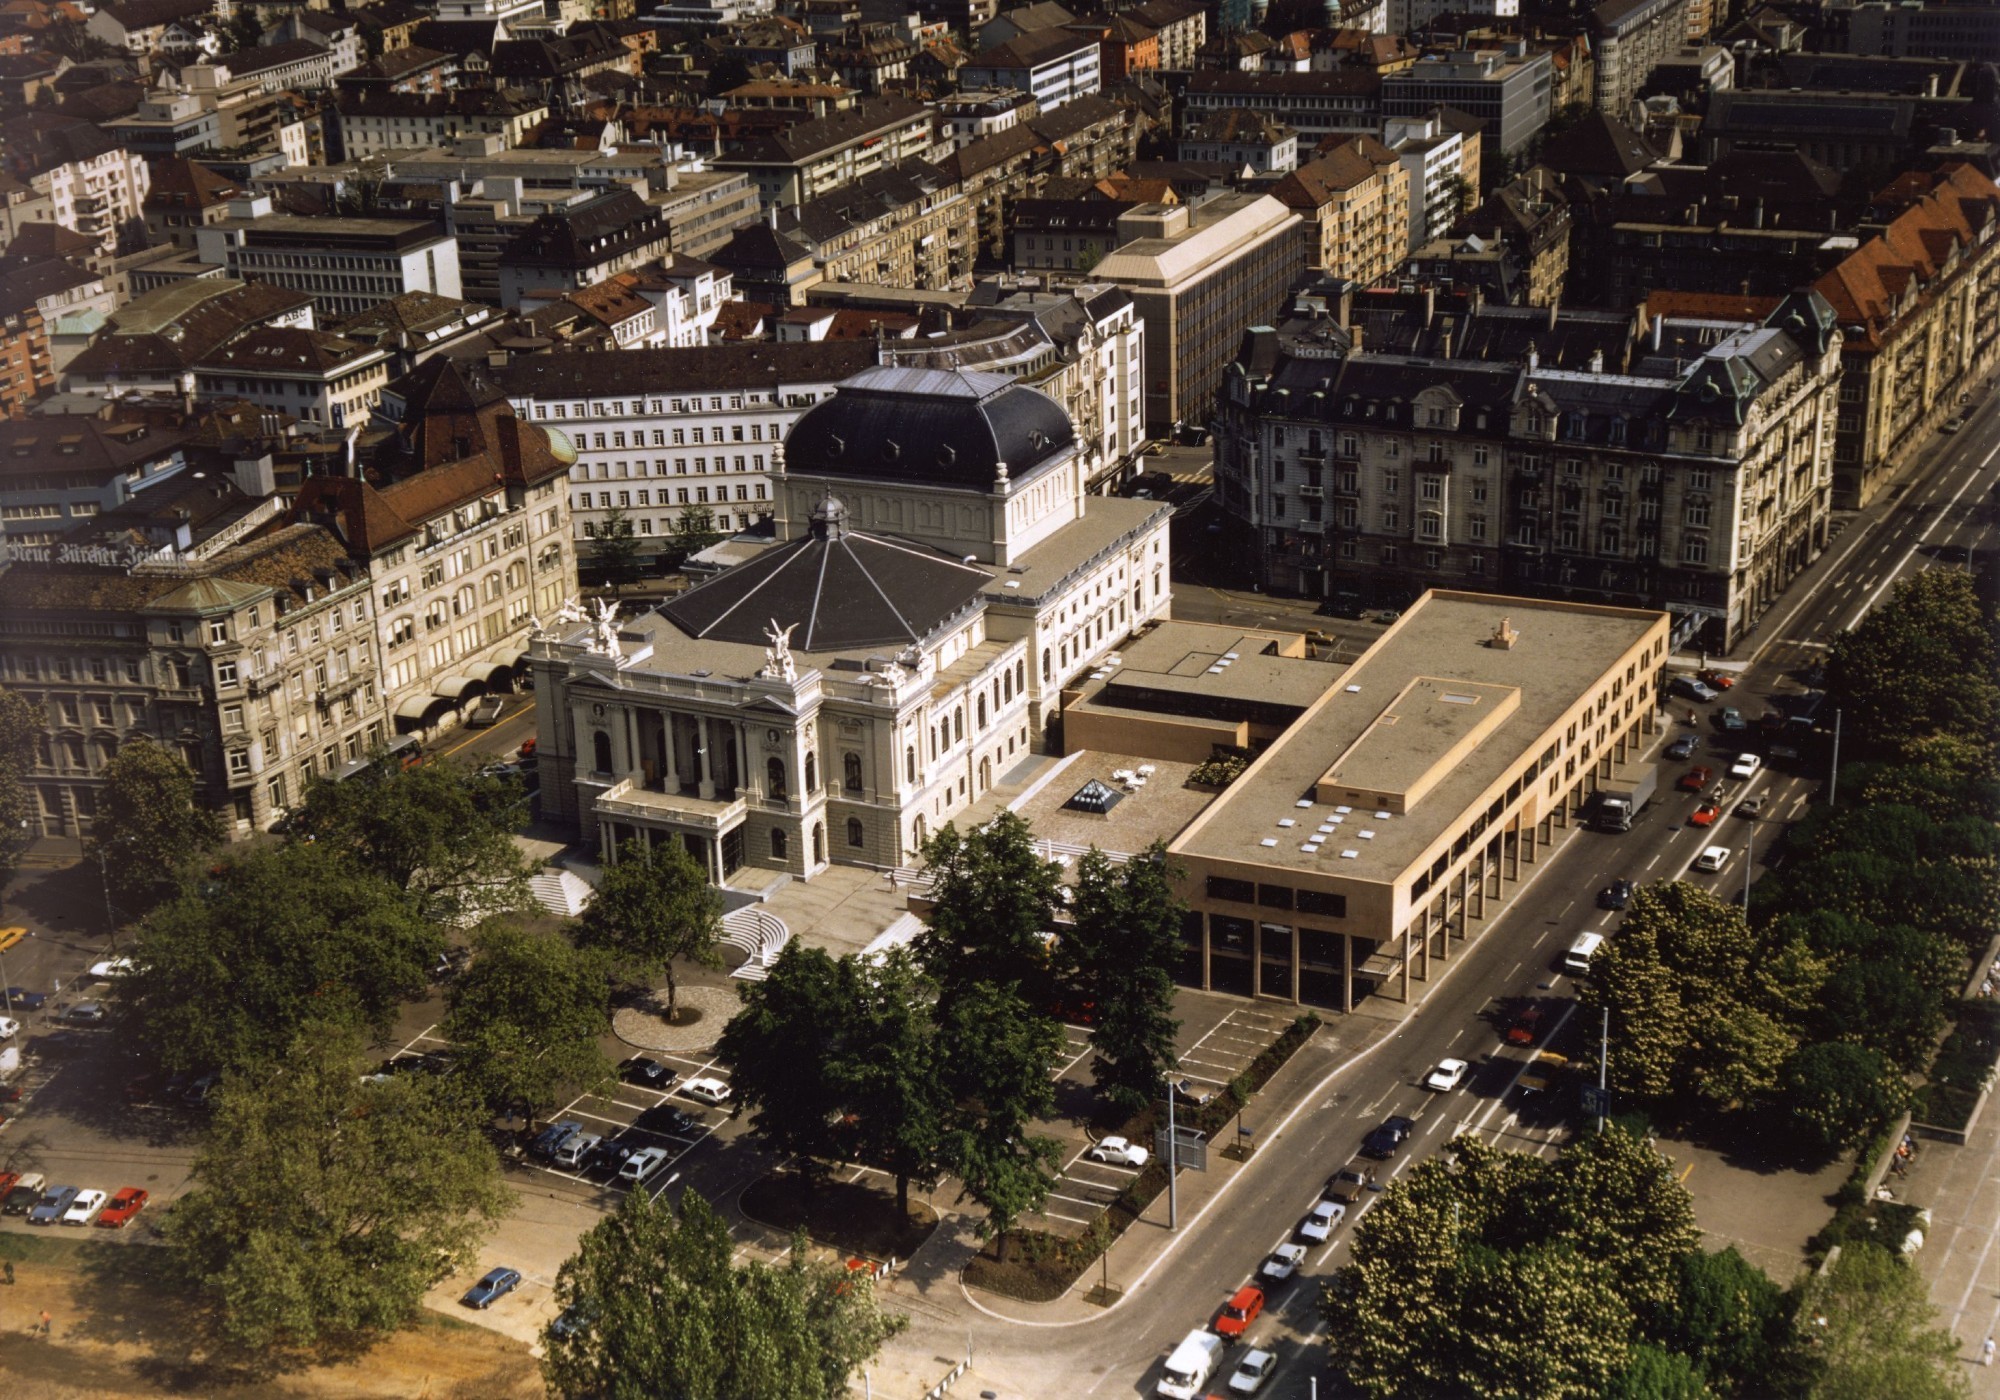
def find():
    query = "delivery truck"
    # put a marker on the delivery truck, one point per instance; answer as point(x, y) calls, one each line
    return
point(1619, 803)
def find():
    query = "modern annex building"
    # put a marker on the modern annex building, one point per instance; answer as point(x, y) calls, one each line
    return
point(940, 575)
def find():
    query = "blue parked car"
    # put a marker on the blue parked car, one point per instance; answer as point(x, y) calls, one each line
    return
point(1683, 747)
point(497, 1284)
point(552, 1137)
point(54, 1202)
point(21, 999)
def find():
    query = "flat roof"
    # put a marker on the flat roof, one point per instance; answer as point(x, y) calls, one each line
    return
point(1199, 659)
point(1106, 520)
point(1438, 648)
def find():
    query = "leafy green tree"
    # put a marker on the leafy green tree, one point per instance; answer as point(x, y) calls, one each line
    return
point(786, 1051)
point(20, 730)
point(1839, 1093)
point(1654, 1374)
point(1725, 1316)
point(614, 552)
point(149, 828)
point(997, 1056)
point(651, 907)
point(890, 1077)
point(322, 1208)
point(994, 904)
point(662, 1311)
point(1920, 665)
point(1615, 1200)
point(529, 1017)
point(1119, 953)
point(438, 830)
point(288, 935)
point(694, 530)
point(1867, 1325)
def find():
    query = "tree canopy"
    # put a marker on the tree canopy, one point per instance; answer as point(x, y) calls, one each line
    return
point(321, 1208)
point(1921, 664)
point(528, 1017)
point(653, 906)
point(284, 936)
point(661, 1310)
point(1118, 955)
point(614, 550)
point(20, 730)
point(437, 830)
point(994, 898)
point(1868, 1326)
point(149, 828)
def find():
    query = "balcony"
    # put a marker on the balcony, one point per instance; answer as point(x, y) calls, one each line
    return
point(631, 799)
point(1312, 493)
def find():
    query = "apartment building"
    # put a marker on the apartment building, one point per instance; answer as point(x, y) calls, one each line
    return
point(1443, 169)
point(1197, 276)
point(1919, 312)
point(91, 184)
point(1088, 139)
point(58, 473)
point(907, 226)
point(813, 157)
point(314, 375)
point(1242, 138)
point(345, 264)
point(1629, 37)
point(1682, 462)
point(572, 246)
point(1053, 66)
point(462, 547)
point(1353, 205)
point(153, 342)
point(1180, 27)
point(380, 121)
point(1965, 29)
point(1508, 89)
point(1335, 103)
point(664, 433)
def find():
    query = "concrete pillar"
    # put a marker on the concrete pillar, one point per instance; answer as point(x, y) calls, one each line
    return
point(703, 738)
point(1346, 972)
point(670, 777)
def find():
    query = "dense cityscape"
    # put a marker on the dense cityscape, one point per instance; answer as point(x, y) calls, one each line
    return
point(799, 699)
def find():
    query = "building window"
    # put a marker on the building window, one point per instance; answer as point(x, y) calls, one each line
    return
point(777, 843)
point(774, 779)
point(1694, 549)
point(857, 835)
point(851, 771)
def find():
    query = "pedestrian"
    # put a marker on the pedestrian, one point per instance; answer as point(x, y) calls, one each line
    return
point(7, 1272)
point(1986, 1353)
point(46, 1324)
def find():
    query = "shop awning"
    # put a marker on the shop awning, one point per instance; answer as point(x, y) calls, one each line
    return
point(453, 687)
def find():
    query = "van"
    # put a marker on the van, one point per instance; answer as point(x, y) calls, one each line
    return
point(1190, 1366)
point(550, 1140)
point(27, 1189)
point(1577, 960)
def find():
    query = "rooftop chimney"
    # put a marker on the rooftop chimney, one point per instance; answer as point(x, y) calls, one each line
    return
point(1504, 636)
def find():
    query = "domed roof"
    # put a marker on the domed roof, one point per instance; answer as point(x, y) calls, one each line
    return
point(935, 427)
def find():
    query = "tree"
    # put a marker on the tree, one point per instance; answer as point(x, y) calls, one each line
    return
point(1653, 1374)
point(891, 1080)
point(20, 730)
point(694, 530)
point(528, 1017)
point(436, 830)
point(994, 902)
point(1866, 1324)
point(1921, 665)
point(1725, 1316)
point(1119, 953)
point(1839, 1093)
point(245, 31)
point(786, 1051)
point(322, 1208)
point(149, 828)
point(997, 1057)
point(726, 73)
point(664, 1312)
point(1491, 1273)
point(615, 553)
point(288, 935)
point(653, 905)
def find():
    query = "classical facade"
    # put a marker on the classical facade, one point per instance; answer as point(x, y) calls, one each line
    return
point(940, 575)
point(1682, 462)
point(1919, 310)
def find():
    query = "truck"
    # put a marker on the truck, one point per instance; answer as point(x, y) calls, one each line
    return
point(1190, 1366)
point(1618, 804)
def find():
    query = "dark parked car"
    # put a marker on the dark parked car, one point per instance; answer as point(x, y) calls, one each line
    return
point(651, 1073)
point(497, 1284)
point(608, 1157)
point(552, 1137)
point(21, 999)
point(1683, 747)
point(1382, 1143)
point(1615, 895)
point(665, 1118)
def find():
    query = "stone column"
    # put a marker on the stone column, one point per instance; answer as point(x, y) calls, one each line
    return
point(705, 786)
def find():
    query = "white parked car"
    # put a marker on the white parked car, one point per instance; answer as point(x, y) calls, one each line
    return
point(1318, 1225)
point(1448, 1075)
point(707, 1090)
point(9, 1027)
point(1714, 858)
point(1745, 766)
point(1252, 1372)
point(111, 967)
point(1119, 1153)
point(84, 1208)
point(642, 1164)
point(1284, 1261)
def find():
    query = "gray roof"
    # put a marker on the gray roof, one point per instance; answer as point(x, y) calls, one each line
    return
point(841, 589)
point(944, 428)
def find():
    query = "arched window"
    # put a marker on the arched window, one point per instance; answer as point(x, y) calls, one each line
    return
point(958, 725)
point(917, 834)
point(982, 713)
point(1006, 687)
point(777, 843)
point(812, 772)
point(852, 764)
point(856, 835)
point(774, 779)
point(819, 842)
point(600, 751)
point(1020, 675)
point(910, 763)
point(1047, 673)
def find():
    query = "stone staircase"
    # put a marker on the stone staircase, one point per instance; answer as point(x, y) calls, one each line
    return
point(759, 936)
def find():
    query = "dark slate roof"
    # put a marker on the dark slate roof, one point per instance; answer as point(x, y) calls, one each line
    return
point(841, 589)
point(679, 369)
point(940, 428)
point(857, 203)
point(1599, 145)
point(584, 235)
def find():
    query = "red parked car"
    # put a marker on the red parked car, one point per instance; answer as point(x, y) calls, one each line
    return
point(1527, 1027)
point(1239, 1312)
point(1717, 680)
point(1704, 815)
point(1695, 779)
point(118, 1212)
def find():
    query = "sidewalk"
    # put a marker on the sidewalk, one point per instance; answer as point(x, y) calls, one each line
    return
point(1961, 1185)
